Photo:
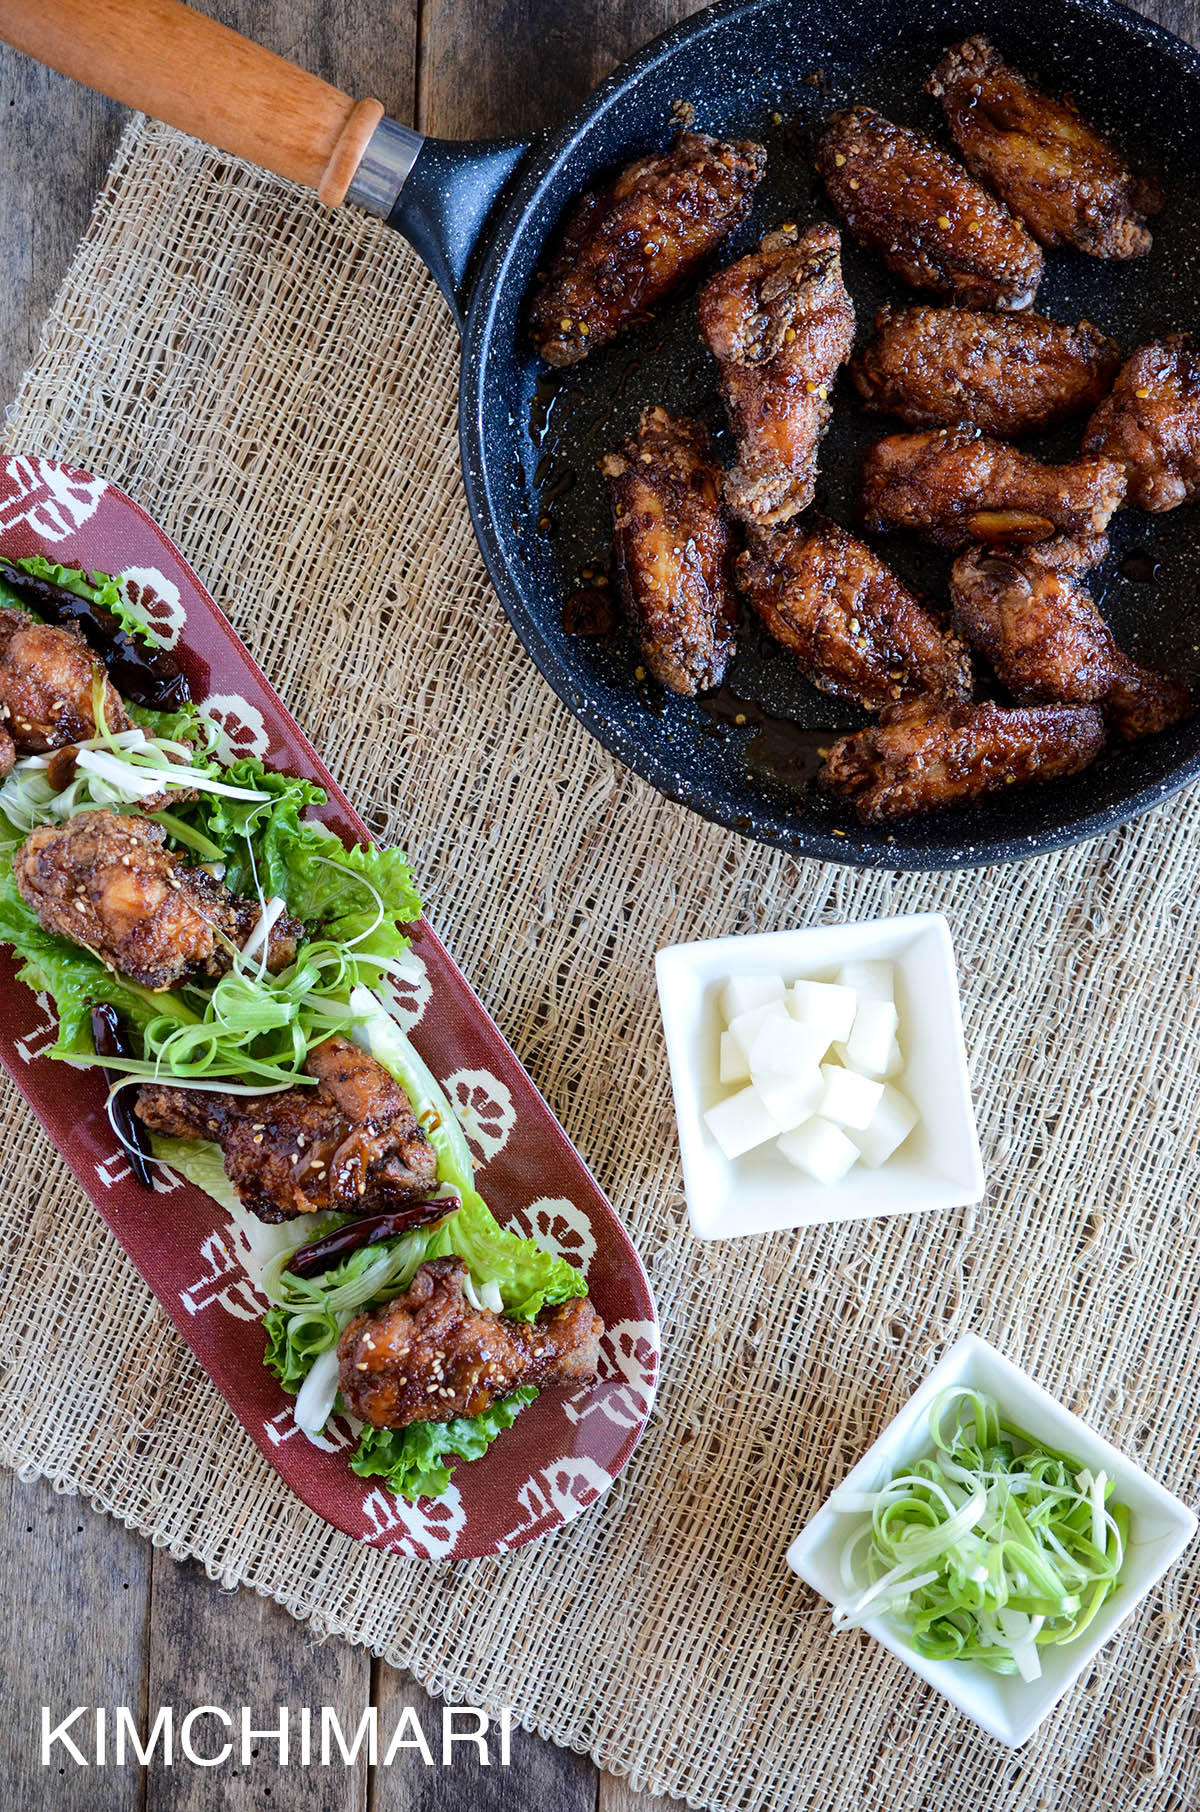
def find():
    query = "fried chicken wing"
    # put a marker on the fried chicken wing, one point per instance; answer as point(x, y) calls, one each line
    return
point(105, 881)
point(853, 626)
point(48, 683)
point(779, 323)
point(1004, 374)
point(352, 1144)
point(1068, 185)
point(673, 557)
point(1151, 423)
point(927, 756)
point(1048, 643)
point(930, 223)
point(952, 486)
point(428, 1356)
point(629, 246)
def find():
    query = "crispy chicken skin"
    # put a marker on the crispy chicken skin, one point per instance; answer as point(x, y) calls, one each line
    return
point(779, 323)
point(1004, 374)
point(352, 1143)
point(926, 756)
point(930, 223)
point(48, 678)
point(1151, 423)
point(673, 556)
point(106, 882)
point(1048, 643)
point(628, 247)
point(853, 626)
point(952, 486)
point(428, 1356)
point(1067, 184)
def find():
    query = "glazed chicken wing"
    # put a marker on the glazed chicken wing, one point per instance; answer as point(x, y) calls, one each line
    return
point(106, 882)
point(1004, 374)
point(1067, 184)
point(1048, 643)
point(1151, 423)
point(428, 1356)
point(853, 626)
point(929, 222)
point(628, 247)
point(953, 486)
point(672, 548)
point(352, 1144)
point(779, 323)
point(48, 683)
point(926, 756)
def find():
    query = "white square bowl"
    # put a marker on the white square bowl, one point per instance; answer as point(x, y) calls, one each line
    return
point(938, 1166)
point(1004, 1705)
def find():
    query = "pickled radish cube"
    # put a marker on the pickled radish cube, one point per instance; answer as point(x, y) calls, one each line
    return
point(734, 1067)
point(789, 1100)
point(873, 980)
point(747, 1026)
point(890, 1125)
point(895, 1062)
point(869, 1046)
point(848, 1099)
point(826, 1006)
point(739, 1123)
point(820, 1149)
point(783, 1049)
point(742, 993)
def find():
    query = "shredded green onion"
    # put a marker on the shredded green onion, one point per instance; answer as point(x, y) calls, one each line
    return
point(989, 1550)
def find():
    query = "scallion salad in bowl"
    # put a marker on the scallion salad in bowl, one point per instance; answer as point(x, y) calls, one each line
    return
point(233, 968)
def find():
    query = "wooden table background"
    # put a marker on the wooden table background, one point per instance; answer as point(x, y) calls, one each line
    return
point(95, 1615)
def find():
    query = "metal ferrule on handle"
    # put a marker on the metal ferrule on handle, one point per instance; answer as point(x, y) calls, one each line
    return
point(391, 152)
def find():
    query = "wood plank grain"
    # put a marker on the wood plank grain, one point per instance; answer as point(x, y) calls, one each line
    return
point(540, 1775)
point(209, 1647)
point(491, 68)
point(618, 1796)
point(76, 1595)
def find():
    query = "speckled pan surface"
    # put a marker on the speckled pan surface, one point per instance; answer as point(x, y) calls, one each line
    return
point(741, 66)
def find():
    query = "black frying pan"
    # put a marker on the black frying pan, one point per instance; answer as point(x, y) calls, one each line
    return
point(480, 216)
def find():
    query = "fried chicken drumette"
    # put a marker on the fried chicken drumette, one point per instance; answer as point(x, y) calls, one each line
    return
point(1045, 637)
point(49, 681)
point(1068, 185)
point(928, 756)
point(780, 323)
point(952, 486)
point(105, 881)
point(1004, 374)
point(428, 1355)
point(627, 247)
point(1151, 423)
point(352, 1144)
point(852, 625)
point(673, 554)
point(930, 223)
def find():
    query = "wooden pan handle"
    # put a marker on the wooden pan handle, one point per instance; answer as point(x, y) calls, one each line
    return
point(181, 67)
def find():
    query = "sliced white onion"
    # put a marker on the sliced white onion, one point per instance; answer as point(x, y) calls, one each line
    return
point(314, 1401)
point(273, 910)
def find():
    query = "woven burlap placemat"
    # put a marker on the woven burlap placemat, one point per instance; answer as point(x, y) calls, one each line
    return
point(277, 387)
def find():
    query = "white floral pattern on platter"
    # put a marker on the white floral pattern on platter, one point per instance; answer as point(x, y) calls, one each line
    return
point(335, 1437)
point(555, 1222)
point(241, 725)
point(427, 1530)
point(156, 600)
point(53, 500)
point(484, 1108)
point(224, 1282)
point(410, 992)
point(559, 1493)
point(629, 1367)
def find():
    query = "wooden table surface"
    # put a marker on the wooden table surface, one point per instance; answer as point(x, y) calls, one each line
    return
point(95, 1614)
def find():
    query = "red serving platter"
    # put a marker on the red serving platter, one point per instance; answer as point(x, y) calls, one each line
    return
point(564, 1451)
